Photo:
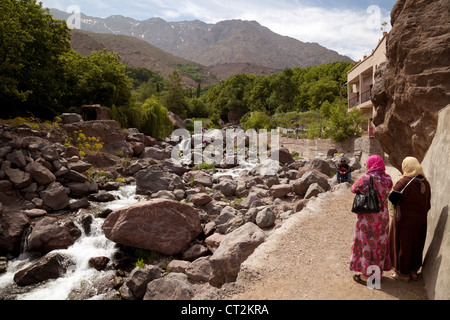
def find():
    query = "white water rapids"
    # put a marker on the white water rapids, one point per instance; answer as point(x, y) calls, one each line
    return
point(87, 246)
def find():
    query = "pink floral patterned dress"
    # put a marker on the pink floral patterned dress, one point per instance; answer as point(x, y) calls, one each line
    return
point(371, 241)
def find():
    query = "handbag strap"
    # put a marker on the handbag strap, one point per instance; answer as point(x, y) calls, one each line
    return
point(371, 182)
point(408, 184)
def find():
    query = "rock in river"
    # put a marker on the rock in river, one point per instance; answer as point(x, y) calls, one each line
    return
point(161, 225)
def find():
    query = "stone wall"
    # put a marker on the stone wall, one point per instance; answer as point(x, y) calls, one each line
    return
point(436, 270)
point(359, 147)
point(312, 148)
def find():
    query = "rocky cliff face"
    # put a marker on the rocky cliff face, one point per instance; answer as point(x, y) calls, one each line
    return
point(414, 85)
point(436, 267)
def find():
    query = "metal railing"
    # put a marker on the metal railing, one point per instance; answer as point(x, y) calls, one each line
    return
point(353, 102)
point(366, 96)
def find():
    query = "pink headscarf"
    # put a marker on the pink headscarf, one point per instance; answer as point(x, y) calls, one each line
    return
point(375, 163)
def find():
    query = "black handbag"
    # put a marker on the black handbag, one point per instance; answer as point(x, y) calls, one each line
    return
point(395, 196)
point(367, 202)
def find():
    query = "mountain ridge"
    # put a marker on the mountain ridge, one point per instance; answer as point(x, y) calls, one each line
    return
point(226, 42)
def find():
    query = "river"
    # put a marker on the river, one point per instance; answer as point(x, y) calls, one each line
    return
point(87, 246)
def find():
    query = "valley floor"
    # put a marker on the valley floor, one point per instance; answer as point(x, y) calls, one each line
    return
point(308, 259)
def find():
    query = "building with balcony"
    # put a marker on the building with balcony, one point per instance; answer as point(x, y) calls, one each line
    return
point(360, 81)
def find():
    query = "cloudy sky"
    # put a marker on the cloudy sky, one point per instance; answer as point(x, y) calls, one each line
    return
point(352, 28)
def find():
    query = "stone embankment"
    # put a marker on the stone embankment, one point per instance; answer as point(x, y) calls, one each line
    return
point(202, 225)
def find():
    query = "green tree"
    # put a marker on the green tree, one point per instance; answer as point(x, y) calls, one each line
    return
point(142, 76)
point(174, 99)
point(284, 91)
point(321, 91)
point(232, 94)
point(31, 42)
point(99, 78)
point(155, 119)
point(342, 124)
point(256, 120)
point(197, 109)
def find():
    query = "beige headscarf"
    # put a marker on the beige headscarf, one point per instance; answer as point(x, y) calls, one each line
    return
point(411, 167)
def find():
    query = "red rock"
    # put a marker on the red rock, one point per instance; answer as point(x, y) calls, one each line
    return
point(411, 89)
point(200, 199)
point(161, 225)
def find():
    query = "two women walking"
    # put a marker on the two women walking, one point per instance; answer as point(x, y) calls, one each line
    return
point(382, 243)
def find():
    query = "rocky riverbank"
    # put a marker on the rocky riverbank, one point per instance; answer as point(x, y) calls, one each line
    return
point(193, 227)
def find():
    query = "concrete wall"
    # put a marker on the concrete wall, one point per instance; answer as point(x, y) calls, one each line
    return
point(312, 148)
point(361, 147)
point(436, 269)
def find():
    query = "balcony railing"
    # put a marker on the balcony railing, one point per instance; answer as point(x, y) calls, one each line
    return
point(366, 96)
point(353, 102)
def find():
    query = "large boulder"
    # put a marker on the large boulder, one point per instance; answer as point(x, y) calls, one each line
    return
point(51, 266)
point(227, 187)
point(55, 197)
point(280, 190)
point(153, 153)
point(284, 156)
point(411, 89)
point(161, 225)
point(135, 285)
point(108, 131)
point(200, 199)
point(177, 122)
point(18, 178)
point(265, 218)
point(168, 288)
point(17, 158)
point(153, 180)
point(67, 118)
point(320, 165)
point(80, 190)
point(229, 219)
point(436, 265)
point(40, 174)
point(12, 228)
point(302, 185)
point(52, 234)
point(234, 249)
point(198, 177)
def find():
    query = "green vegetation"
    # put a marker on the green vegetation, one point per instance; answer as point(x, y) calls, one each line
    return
point(42, 76)
point(256, 120)
point(195, 72)
point(205, 166)
point(98, 78)
point(31, 43)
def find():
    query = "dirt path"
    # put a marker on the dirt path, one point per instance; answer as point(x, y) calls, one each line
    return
point(308, 259)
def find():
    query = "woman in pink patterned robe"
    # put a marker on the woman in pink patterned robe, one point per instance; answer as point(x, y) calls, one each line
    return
point(370, 250)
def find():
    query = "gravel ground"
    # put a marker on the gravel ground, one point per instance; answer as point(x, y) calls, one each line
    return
point(308, 258)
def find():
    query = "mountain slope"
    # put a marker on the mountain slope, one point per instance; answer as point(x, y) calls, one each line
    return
point(226, 42)
point(138, 53)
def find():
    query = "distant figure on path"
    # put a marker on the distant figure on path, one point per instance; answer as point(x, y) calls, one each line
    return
point(343, 172)
point(371, 241)
point(409, 224)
